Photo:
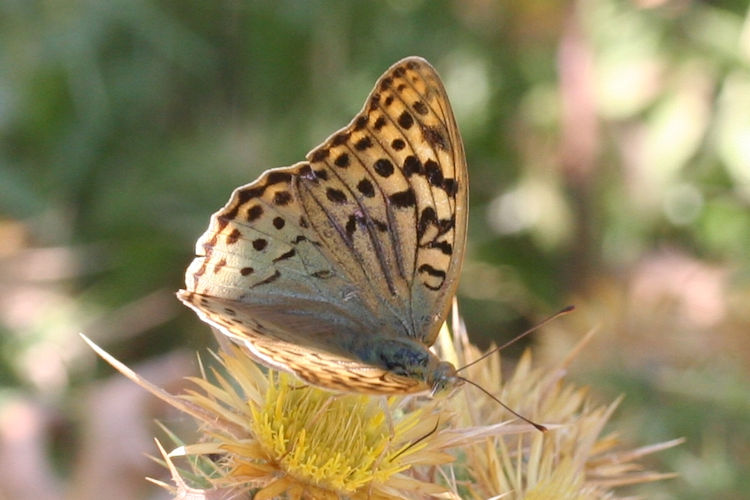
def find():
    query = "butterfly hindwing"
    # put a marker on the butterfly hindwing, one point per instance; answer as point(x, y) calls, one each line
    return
point(287, 339)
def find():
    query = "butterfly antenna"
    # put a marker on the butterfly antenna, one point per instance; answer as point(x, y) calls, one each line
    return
point(539, 427)
point(561, 312)
point(412, 445)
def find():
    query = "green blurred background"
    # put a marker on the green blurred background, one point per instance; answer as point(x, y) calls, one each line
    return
point(609, 155)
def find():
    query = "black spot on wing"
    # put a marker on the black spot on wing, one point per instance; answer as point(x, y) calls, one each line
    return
point(382, 226)
point(282, 198)
point(412, 166)
point(446, 225)
point(360, 123)
point(319, 155)
point(450, 186)
point(340, 138)
point(268, 280)
point(351, 226)
point(443, 246)
point(259, 244)
point(427, 218)
point(342, 160)
point(374, 102)
point(403, 199)
point(420, 107)
point(219, 265)
point(254, 213)
point(405, 120)
point(366, 188)
point(435, 137)
point(384, 167)
point(335, 195)
point(435, 273)
point(286, 255)
point(363, 143)
point(306, 171)
point(277, 178)
point(233, 237)
point(434, 174)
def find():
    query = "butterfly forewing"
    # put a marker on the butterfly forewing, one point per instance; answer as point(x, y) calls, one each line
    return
point(393, 187)
point(366, 237)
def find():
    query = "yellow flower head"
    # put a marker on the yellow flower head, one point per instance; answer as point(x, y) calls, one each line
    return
point(305, 442)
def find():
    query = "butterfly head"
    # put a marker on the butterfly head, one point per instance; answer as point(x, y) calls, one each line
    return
point(443, 378)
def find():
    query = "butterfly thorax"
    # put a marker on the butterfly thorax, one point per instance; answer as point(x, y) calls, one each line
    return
point(408, 359)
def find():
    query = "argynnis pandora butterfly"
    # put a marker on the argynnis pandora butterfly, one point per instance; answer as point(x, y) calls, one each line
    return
point(341, 269)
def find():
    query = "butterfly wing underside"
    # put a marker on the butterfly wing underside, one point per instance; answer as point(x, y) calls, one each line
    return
point(272, 337)
point(366, 237)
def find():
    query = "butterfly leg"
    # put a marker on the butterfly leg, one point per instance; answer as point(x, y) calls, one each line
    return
point(383, 402)
point(324, 406)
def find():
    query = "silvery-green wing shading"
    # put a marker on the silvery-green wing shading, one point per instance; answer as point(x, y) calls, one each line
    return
point(330, 355)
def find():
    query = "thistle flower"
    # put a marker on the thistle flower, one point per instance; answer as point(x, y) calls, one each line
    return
point(573, 460)
point(306, 442)
point(278, 438)
point(267, 434)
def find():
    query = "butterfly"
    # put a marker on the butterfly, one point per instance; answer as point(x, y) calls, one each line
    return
point(341, 269)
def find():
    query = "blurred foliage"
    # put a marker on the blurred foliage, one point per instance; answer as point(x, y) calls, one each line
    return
point(609, 152)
